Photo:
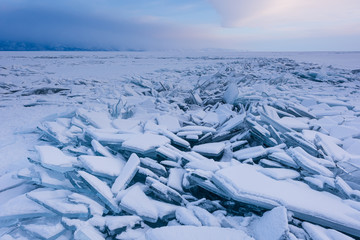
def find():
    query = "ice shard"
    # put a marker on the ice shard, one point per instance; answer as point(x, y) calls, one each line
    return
point(187, 217)
point(273, 225)
point(117, 223)
point(300, 157)
point(22, 207)
point(252, 152)
point(101, 189)
point(144, 143)
point(44, 228)
point(206, 218)
point(317, 232)
point(244, 183)
point(136, 202)
point(10, 180)
point(126, 174)
point(109, 167)
point(53, 158)
point(100, 149)
point(210, 149)
point(57, 201)
point(171, 122)
point(164, 192)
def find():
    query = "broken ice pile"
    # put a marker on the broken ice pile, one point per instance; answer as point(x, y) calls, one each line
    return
point(281, 164)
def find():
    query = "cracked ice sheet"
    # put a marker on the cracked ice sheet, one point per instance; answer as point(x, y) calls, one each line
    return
point(44, 228)
point(22, 207)
point(245, 183)
point(57, 201)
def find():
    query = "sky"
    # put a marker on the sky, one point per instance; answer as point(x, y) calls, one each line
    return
point(256, 25)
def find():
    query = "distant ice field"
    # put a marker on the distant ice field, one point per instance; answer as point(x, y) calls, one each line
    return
point(87, 78)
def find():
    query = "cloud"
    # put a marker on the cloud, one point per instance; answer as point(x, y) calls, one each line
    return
point(234, 12)
point(301, 15)
point(162, 24)
point(90, 25)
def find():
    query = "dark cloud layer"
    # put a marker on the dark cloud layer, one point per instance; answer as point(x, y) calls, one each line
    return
point(270, 25)
point(83, 29)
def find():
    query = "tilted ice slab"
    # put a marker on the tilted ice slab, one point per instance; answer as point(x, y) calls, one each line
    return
point(107, 136)
point(144, 143)
point(273, 225)
point(246, 184)
point(136, 202)
point(22, 207)
point(127, 173)
point(206, 218)
point(280, 173)
point(101, 189)
point(102, 166)
point(171, 123)
point(308, 163)
point(95, 208)
point(319, 233)
point(98, 148)
point(53, 158)
point(293, 123)
point(210, 149)
point(97, 119)
point(187, 217)
point(127, 125)
point(251, 152)
point(57, 201)
point(44, 228)
point(198, 233)
point(9, 180)
point(114, 223)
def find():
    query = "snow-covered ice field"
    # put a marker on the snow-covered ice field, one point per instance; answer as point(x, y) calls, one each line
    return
point(147, 145)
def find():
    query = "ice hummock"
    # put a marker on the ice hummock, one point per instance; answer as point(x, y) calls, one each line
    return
point(143, 157)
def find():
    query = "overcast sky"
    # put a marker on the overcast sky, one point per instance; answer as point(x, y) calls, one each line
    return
point(271, 25)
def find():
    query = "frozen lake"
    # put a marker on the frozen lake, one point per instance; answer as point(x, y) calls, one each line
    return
point(94, 76)
point(173, 121)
